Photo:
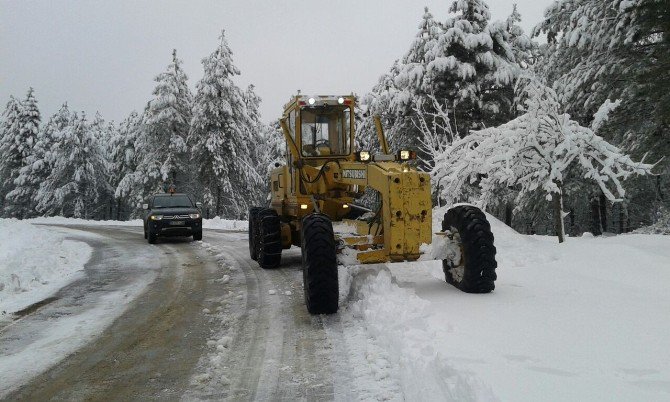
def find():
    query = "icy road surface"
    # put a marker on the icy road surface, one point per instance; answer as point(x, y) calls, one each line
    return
point(583, 320)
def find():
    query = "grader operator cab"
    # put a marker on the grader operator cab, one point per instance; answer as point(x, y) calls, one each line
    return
point(323, 176)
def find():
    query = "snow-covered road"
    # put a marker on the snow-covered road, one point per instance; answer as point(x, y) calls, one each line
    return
point(583, 320)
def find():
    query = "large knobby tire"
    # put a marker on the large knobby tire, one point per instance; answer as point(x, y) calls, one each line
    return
point(269, 239)
point(319, 265)
point(473, 269)
point(253, 232)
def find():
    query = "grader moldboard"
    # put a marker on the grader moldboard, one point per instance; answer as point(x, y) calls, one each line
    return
point(318, 185)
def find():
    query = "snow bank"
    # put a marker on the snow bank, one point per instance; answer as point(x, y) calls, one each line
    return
point(59, 220)
point(393, 356)
point(35, 263)
point(581, 320)
point(226, 224)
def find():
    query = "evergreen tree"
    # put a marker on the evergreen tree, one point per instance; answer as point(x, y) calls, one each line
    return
point(219, 138)
point(9, 131)
point(466, 66)
point(166, 125)
point(601, 51)
point(38, 167)
point(77, 185)
point(263, 155)
point(523, 47)
point(126, 179)
point(18, 148)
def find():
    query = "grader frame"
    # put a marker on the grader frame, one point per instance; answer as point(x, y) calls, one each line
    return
point(322, 177)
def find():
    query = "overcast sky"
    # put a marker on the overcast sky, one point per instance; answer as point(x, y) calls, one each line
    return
point(103, 55)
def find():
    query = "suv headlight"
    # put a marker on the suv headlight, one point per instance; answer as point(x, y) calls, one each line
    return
point(156, 217)
point(194, 216)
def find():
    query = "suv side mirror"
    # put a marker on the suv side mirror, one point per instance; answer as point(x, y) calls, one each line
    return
point(198, 204)
point(145, 206)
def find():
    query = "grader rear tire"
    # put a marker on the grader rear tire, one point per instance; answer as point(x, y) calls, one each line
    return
point(474, 271)
point(319, 265)
point(269, 239)
point(253, 232)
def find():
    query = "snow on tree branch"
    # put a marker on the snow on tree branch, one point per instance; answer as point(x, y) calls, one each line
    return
point(532, 152)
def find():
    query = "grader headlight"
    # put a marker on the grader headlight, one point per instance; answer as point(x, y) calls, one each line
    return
point(311, 101)
point(363, 156)
point(405, 155)
point(340, 100)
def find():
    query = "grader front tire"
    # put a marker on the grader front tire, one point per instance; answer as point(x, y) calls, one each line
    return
point(269, 239)
point(253, 232)
point(474, 271)
point(319, 265)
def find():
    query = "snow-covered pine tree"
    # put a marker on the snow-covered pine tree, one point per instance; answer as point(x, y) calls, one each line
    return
point(39, 164)
point(262, 143)
point(219, 137)
point(408, 84)
point(378, 103)
point(465, 65)
point(471, 68)
point(271, 149)
point(125, 177)
point(602, 50)
point(9, 131)
point(532, 152)
point(77, 184)
point(166, 126)
point(19, 150)
point(523, 47)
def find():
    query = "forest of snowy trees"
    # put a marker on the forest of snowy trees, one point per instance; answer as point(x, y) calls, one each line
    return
point(211, 144)
point(569, 123)
point(588, 89)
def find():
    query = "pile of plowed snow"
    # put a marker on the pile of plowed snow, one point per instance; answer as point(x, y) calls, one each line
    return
point(581, 320)
point(35, 263)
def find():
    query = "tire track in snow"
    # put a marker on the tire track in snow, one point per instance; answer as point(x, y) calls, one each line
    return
point(278, 351)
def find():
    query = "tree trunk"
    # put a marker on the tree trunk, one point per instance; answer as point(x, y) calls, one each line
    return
point(624, 221)
point(218, 200)
point(508, 214)
point(603, 212)
point(557, 198)
point(595, 216)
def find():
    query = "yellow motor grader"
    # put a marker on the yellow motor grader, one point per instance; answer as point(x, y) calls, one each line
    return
point(318, 185)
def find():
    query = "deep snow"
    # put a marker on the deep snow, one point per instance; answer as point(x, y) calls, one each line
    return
point(582, 320)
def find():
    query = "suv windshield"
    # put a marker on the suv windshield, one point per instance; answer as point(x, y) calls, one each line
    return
point(172, 201)
point(325, 130)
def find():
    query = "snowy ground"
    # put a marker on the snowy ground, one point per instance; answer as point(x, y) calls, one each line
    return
point(34, 263)
point(583, 320)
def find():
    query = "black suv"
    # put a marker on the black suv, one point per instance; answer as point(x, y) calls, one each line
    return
point(172, 215)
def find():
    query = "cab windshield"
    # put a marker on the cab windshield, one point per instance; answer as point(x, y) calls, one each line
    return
point(325, 130)
point(172, 201)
